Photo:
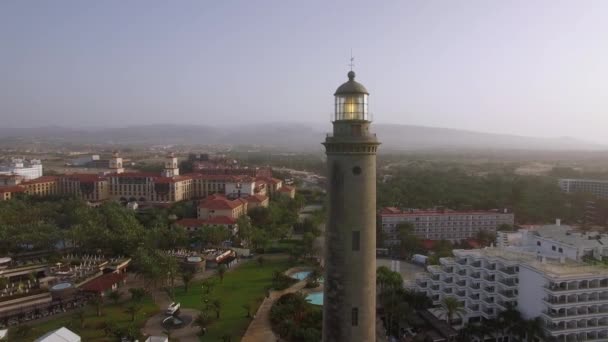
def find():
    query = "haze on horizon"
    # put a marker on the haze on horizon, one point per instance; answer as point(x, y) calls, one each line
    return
point(536, 68)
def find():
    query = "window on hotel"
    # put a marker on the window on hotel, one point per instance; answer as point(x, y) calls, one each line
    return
point(356, 241)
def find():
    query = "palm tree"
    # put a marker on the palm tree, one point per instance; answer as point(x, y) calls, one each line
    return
point(451, 307)
point(187, 278)
point(221, 270)
point(97, 301)
point(216, 305)
point(137, 294)
point(202, 321)
point(114, 296)
point(80, 316)
point(531, 328)
point(109, 327)
point(133, 309)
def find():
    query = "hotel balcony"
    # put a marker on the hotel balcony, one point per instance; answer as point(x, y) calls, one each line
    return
point(508, 282)
point(489, 278)
point(461, 283)
point(489, 300)
point(504, 305)
point(473, 308)
point(508, 271)
point(507, 294)
point(488, 313)
point(434, 269)
point(578, 286)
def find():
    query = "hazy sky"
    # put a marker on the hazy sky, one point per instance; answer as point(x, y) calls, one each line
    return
point(525, 67)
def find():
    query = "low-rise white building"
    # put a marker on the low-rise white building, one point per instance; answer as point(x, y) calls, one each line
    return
point(29, 170)
point(442, 224)
point(557, 241)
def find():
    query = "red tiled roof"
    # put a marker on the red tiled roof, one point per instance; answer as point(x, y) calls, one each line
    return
point(43, 179)
point(256, 198)
point(104, 282)
point(135, 174)
point(391, 211)
point(192, 222)
point(85, 177)
point(14, 188)
point(218, 202)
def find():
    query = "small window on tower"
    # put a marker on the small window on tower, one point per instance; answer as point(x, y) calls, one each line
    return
point(356, 240)
point(355, 317)
point(356, 170)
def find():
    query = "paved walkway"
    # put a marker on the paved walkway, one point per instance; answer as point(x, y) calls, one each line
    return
point(259, 329)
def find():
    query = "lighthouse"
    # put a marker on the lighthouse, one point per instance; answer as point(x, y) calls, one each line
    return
point(349, 304)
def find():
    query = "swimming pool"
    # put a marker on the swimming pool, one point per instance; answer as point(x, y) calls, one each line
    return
point(300, 275)
point(315, 298)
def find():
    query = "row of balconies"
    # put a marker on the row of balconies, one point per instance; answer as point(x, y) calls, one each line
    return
point(578, 325)
point(577, 314)
point(578, 286)
point(595, 298)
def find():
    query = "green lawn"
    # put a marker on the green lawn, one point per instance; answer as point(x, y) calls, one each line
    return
point(93, 325)
point(245, 285)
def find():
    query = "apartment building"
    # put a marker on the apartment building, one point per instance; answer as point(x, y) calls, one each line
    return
point(441, 224)
point(29, 169)
point(570, 297)
point(596, 187)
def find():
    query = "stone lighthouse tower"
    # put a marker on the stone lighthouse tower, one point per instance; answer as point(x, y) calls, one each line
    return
point(349, 304)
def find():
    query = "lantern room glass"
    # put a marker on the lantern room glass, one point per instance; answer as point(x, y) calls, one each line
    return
point(351, 107)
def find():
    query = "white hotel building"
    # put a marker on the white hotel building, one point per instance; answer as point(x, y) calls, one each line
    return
point(570, 297)
point(27, 169)
point(441, 224)
point(596, 187)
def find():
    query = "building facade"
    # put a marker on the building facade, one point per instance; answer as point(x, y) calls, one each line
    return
point(349, 304)
point(441, 224)
point(146, 188)
point(571, 298)
point(598, 188)
point(29, 170)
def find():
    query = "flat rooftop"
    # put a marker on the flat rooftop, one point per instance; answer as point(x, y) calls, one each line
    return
point(551, 267)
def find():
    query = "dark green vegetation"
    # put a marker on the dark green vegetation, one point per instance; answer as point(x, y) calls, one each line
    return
point(296, 320)
point(533, 199)
point(238, 295)
point(115, 321)
point(508, 323)
point(399, 305)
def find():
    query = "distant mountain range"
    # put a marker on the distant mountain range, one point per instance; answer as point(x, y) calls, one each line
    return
point(295, 137)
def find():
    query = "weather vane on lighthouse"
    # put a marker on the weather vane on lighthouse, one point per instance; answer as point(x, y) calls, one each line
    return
point(352, 60)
